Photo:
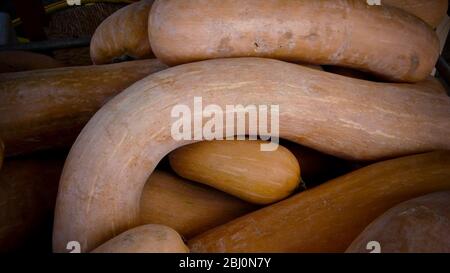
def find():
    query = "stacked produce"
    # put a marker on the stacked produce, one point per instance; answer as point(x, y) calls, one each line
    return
point(364, 147)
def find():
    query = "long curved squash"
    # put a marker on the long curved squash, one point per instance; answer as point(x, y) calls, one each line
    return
point(420, 225)
point(116, 152)
point(329, 217)
point(344, 33)
point(123, 35)
point(48, 108)
point(188, 208)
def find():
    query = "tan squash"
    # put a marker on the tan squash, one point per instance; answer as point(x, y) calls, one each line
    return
point(28, 190)
point(15, 61)
point(43, 109)
point(420, 225)
point(430, 11)
point(145, 239)
point(239, 168)
point(343, 33)
point(329, 217)
point(121, 145)
point(187, 207)
point(123, 35)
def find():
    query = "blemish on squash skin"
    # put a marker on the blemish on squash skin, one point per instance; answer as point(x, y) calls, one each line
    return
point(224, 45)
point(287, 35)
point(311, 37)
point(415, 62)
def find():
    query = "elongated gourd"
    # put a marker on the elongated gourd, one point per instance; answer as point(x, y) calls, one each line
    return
point(121, 145)
point(239, 168)
point(43, 109)
point(145, 239)
point(329, 217)
point(15, 61)
point(343, 33)
point(430, 11)
point(123, 35)
point(420, 225)
point(187, 207)
point(28, 190)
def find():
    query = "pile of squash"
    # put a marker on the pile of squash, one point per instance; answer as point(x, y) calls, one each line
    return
point(364, 155)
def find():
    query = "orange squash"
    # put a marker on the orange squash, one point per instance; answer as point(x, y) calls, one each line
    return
point(166, 195)
point(343, 33)
point(44, 109)
point(329, 217)
point(239, 168)
point(123, 35)
point(121, 145)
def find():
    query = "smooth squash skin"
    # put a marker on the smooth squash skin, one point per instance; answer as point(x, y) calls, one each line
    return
point(430, 11)
point(121, 145)
point(28, 188)
point(420, 225)
point(329, 32)
point(239, 168)
point(123, 35)
point(329, 217)
point(145, 239)
point(187, 207)
point(16, 61)
point(44, 109)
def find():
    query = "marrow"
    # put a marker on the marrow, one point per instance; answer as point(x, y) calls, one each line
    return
point(330, 32)
point(44, 109)
point(121, 145)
